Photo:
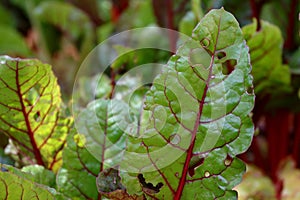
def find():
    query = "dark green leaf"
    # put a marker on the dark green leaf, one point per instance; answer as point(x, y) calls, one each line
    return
point(196, 118)
point(102, 128)
point(103, 125)
point(77, 177)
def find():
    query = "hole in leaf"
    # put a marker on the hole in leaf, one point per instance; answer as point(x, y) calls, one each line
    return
point(207, 174)
point(149, 188)
point(228, 66)
point(221, 55)
point(249, 90)
point(205, 42)
point(80, 140)
point(228, 160)
point(196, 162)
point(36, 116)
point(175, 139)
point(109, 181)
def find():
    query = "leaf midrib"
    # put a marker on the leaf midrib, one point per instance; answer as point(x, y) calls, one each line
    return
point(36, 150)
point(197, 124)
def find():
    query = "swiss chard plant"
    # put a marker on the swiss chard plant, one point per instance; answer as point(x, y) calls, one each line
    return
point(182, 144)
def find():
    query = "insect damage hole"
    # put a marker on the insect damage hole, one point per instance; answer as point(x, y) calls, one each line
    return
point(228, 66)
point(220, 55)
point(205, 42)
point(36, 116)
point(250, 90)
point(228, 160)
point(149, 188)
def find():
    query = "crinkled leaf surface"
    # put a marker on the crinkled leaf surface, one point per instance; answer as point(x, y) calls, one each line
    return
point(34, 173)
point(270, 75)
point(103, 125)
point(98, 146)
point(196, 118)
point(41, 175)
point(77, 177)
point(15, 184)
point(29, 110)
point(101, 89)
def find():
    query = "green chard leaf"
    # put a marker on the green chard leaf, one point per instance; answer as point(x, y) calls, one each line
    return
point(195, 119)
point(103, 126)
point(77, 176)
point(41, 175)
point(30, 115)
point(26, 184)
point(271, 76)
point(98, 145)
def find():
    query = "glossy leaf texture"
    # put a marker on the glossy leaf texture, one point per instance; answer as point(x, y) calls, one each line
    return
point(104, 125)
point(196, 118)
point(271, 76)
point(99, 145)
point(15, 184)
point(30, 115)
point(77, 176)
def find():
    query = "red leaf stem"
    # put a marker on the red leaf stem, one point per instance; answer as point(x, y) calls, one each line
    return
point(296, 146)
point(36, 150)
point(290, 31)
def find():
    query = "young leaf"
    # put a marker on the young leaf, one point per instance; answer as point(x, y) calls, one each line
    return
point(198, 122)
point(29, 110)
